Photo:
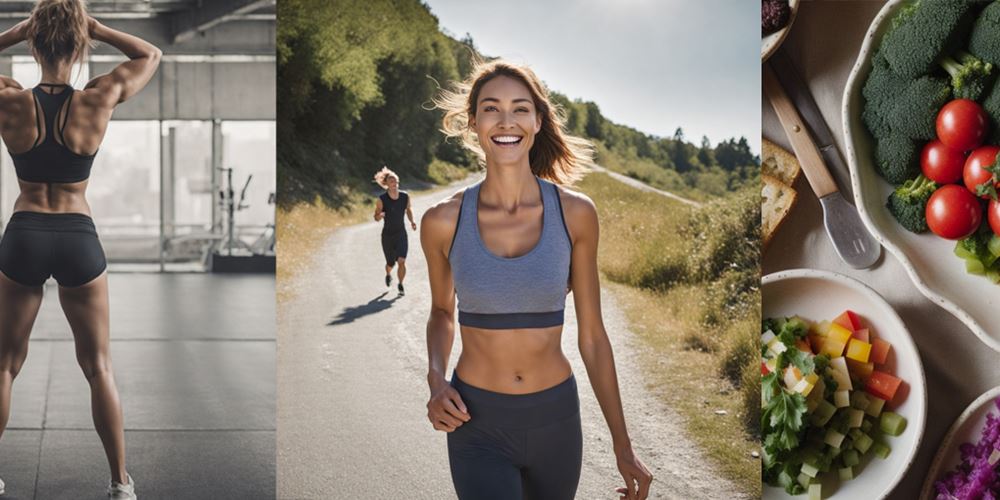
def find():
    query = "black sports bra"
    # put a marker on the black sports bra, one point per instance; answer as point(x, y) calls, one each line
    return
point(48, 160)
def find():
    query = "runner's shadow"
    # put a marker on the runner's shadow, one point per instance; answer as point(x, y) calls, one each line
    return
point(349, 314)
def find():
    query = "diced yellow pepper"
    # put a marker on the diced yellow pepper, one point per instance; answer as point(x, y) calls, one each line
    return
point(836, 340)
point(858, 350)
point(822, 328)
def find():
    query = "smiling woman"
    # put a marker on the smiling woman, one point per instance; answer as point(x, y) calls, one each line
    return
point(510, 249)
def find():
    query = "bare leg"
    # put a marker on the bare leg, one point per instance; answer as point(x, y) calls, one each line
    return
point(388, 270)
point(18, 308)
point(402, 269)
point(86, 308)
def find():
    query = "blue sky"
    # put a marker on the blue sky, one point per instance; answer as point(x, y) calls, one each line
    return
point(654, 65)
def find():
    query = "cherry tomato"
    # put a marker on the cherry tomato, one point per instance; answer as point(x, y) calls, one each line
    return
point(993, 216)
point(940, 163)
point(962, 124)
point(975, 172)
point(953, 212)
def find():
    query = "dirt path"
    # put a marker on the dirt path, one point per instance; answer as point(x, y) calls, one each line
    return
point(352, 390)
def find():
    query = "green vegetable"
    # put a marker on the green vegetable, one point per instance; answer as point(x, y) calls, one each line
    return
point(914, 112)
point(984, 42)
point(845, 473)
point(970, 76)
point(781, 419)
point(981, 253)
point(881, 450)
point(851, 458)
point(925, 31)
point(891, 423)
point(908, 203)
point(991, 104)
point(897, 158)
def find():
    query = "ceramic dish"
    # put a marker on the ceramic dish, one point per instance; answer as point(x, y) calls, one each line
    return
point(968, 428)
point(928, 259)
point(821, 295)
point(770, 43)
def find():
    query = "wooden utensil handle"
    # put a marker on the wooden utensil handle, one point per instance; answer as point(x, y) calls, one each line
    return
point(802, 143)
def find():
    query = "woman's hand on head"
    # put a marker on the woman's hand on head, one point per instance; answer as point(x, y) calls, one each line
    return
point(92, 24)
point(636, 475)
point(445, 410)
point(21, 30)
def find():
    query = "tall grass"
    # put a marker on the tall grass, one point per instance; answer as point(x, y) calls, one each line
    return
point(696, 273)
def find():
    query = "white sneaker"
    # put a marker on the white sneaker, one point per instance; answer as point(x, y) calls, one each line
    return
point(119, 491)
point(1, 486)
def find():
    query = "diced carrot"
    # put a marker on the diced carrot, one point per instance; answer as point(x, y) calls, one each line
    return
point(880, 351)
point(882, 385)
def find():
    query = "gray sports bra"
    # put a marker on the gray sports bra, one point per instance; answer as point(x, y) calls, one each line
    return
point(528, 291)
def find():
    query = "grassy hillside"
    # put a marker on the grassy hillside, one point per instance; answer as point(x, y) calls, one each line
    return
point(691, 290)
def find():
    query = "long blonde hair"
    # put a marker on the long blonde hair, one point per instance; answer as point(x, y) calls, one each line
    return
point(58, 30)
point(555, 155)
point(382, 175)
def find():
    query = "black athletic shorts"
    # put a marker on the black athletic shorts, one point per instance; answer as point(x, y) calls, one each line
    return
point(517, 446)
point(38, 245)
point(394, 246)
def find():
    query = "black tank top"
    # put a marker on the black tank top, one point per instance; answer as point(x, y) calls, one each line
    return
point(394, 212)
point(48, 160)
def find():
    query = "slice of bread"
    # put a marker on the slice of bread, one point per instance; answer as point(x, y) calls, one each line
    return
point(779, 163)
point(777, 200)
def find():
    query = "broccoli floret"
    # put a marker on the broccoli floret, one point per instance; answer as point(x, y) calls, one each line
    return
point(881, 90)
point(914, 111)
point(922, 33)
point(897, 158)
point(970, 76)
point(908, 203)
point(991, 104)
point(984, 42)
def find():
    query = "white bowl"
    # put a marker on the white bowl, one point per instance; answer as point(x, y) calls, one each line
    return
point(968, 428)
point(770, 43)
point(821, 295)
point(928, 259)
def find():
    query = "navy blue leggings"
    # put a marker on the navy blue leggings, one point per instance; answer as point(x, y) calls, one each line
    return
point(527, 447)
point(62, 245)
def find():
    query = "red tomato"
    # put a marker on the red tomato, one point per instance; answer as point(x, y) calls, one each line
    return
point(940, 163)
point(975, 172)
point(993, 215)
point(962, 124)
point(953, 212)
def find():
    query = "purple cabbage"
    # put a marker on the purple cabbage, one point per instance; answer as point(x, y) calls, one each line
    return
point(975, 478)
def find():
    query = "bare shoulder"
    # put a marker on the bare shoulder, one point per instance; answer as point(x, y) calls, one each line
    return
point(443, 215)
point(12, 95)
point(579, 210)
point(97, 93)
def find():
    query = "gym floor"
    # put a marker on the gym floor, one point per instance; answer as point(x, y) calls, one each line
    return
point(194, 359)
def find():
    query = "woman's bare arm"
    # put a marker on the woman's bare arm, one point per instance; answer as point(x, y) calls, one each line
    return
point(445, 410)
point(594, 345)
point(129, 77)
point(13, 36)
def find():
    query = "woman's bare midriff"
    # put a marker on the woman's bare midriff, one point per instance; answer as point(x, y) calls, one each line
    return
point(52, 198)
point(513, 361)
